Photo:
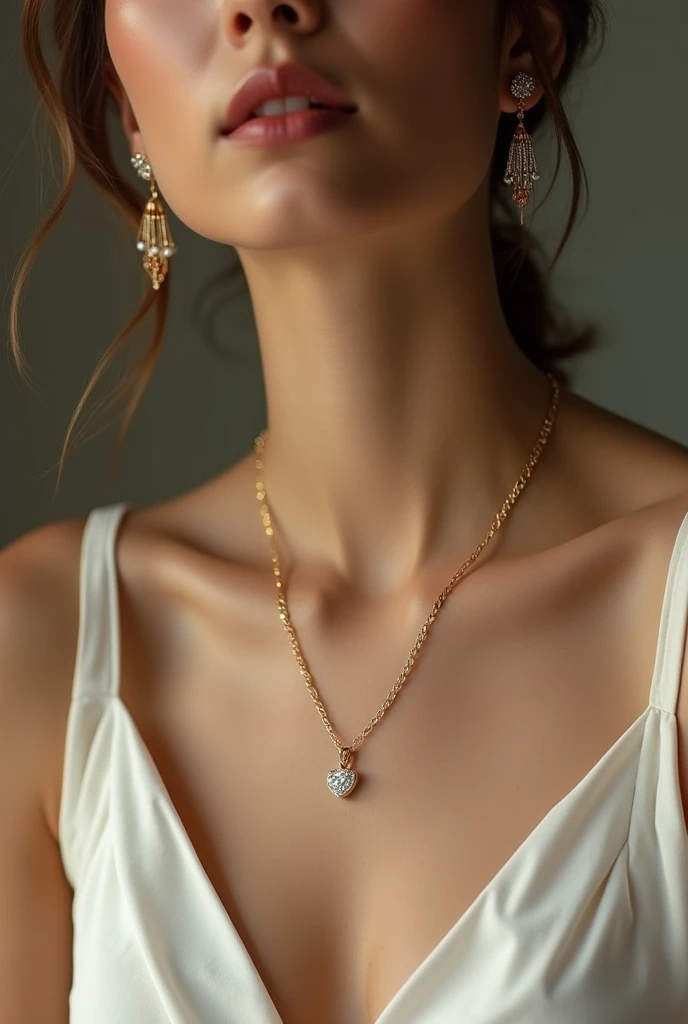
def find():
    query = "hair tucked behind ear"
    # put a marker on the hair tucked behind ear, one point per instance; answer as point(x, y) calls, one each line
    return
point(77, 99)
point(537, 322)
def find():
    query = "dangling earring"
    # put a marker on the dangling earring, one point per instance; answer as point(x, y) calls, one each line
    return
point(521, 168)
point(154, 239)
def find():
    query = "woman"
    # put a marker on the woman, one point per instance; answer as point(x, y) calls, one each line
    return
point(474, 810)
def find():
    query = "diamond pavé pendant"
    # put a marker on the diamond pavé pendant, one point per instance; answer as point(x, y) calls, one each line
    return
point(342, 780)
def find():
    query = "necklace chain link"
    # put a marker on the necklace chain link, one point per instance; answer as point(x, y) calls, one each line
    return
point(346, 751)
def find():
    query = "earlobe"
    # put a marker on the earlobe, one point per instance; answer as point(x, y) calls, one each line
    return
point(508, 102)
point(518, 54)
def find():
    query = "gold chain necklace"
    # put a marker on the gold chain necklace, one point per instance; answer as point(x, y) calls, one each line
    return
point(342, 780)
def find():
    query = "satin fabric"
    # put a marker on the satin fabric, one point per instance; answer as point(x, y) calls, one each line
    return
point(587, 922)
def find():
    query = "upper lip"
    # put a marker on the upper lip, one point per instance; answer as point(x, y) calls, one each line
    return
point(277, 82)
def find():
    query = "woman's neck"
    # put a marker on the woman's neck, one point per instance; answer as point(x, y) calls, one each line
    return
point(400, 410)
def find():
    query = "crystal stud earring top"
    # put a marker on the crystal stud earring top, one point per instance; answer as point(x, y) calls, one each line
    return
point(521, 168)
point(154, 239)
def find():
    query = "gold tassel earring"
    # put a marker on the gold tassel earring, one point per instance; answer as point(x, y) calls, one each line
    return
point(521, 168)
point(154, 239)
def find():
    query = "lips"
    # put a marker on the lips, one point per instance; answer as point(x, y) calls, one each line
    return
point(277, 82)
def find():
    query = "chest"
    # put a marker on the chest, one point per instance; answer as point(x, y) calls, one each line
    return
point(338, 901)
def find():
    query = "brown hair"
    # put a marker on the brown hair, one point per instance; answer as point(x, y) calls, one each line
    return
point(76, 100)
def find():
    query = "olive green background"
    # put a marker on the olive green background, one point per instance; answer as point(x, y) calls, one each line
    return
point(625, 267)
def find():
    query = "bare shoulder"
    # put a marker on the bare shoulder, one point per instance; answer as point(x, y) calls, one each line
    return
point(38, 629)
point(39, 597)
point(39, 616)
point(662, 535)
point(626, 465)
point(634, 482)
point(672, 517)
point(643, 476)
point(649, 473)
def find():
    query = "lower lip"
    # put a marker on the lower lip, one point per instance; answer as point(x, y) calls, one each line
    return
point(285, 128)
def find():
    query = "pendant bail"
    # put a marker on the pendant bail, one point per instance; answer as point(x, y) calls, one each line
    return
point(345, 754)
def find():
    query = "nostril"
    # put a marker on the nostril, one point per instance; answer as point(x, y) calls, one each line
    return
point(289, 13)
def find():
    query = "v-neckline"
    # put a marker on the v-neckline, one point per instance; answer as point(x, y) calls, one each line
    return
point(386, 1016)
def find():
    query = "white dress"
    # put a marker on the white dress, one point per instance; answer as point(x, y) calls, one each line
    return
point(586, 923)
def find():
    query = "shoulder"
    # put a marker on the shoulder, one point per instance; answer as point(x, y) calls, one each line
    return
point(39, 615)
point(665, 539)
point(633, 482)
point(620, 464)
point(679, 547)
point(37, 630)
point(636, 480)
point(39, 590)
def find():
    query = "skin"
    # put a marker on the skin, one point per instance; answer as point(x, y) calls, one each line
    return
point(394, 391)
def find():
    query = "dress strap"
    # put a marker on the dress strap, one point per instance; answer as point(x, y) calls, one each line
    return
point(673, 626)
point(97, 667)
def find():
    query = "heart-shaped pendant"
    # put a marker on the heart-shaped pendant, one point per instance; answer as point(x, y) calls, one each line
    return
point(341, 781)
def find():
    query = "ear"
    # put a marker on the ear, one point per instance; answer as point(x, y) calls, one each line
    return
point(517, 56)
point(129, 123)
